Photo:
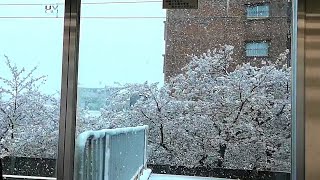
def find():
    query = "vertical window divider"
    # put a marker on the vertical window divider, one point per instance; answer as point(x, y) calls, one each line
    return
point(298, 92)
point(69, 83)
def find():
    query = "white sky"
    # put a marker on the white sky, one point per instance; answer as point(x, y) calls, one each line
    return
point(111, 50)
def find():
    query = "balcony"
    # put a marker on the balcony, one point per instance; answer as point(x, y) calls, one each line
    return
point(117, 154)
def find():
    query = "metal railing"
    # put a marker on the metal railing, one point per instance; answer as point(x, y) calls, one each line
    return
point(27, 177)
point(111, 154)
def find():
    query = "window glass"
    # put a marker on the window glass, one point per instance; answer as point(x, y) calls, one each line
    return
point(258, 11)
point(31, 40)
point(257, 49)
point(189, 76)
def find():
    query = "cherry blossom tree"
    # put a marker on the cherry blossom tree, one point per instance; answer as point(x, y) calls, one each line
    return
point(213, 116)
point(249, 109)
point(29, 118)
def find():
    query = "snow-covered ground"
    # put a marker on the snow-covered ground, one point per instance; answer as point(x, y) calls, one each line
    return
point(176, 177)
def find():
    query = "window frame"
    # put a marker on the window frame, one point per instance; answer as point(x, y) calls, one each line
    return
point(256, 5)
point(257, 41)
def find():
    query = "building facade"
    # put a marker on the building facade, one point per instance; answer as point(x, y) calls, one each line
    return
point(258, 30)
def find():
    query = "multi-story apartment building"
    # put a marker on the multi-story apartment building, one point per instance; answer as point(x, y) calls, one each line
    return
point(258, 29)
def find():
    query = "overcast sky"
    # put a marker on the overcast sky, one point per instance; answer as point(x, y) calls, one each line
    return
point(111, 50)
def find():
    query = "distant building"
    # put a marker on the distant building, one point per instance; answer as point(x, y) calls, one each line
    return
point(258, 29)
point(93, 99)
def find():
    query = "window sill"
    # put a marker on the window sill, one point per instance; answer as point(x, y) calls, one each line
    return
point(257, 18)
point(257, 58)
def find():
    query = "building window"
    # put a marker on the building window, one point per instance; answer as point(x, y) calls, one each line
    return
point(257, 49)
point(258, 11)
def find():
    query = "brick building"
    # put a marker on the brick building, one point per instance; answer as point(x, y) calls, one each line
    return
point(258, 29)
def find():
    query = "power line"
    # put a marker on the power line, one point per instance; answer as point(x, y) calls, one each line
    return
point(128, 17)
point(207, 18)
point(87, 3)
point(110, 17)
point(26, 17)
point(121, 2)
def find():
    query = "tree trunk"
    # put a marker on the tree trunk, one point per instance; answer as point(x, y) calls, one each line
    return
point(222, 151)
point(162, 144)
point(161, 134)
point(1, 177)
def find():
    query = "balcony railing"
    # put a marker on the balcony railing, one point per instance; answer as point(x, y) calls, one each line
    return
point(111, 154)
